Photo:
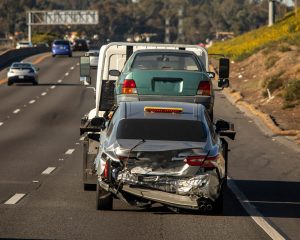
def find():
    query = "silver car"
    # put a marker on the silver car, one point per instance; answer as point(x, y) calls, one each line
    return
point(94, 56)
point(162, 152)
point(21, 72)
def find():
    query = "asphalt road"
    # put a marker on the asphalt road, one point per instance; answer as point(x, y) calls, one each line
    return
point(45, 133)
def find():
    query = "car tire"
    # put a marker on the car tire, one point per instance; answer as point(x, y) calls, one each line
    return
point(34, 83)
point(104, 199)
point(53, 55)
point(70, 55)
point(9, 83)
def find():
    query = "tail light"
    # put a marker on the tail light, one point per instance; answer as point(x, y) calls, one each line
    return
point(201, 160)
point(129, 87)
point(204, 88)
point(106, 170)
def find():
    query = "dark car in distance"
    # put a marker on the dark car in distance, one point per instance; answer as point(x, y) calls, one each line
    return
point(80, 45)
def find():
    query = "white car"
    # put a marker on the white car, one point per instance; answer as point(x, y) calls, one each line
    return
point(94, 56)
point(20, 72)
point(24, 44)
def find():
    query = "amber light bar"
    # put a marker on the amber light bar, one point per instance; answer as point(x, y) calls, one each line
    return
point(163, 110)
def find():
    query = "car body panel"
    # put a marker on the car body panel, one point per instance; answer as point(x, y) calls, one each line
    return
point(156, 169)
point(61, 47)
point(170, 85)
point(22, 73)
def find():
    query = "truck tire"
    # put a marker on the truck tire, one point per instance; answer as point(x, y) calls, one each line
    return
point(89, 187)
point(104, 199)
point(218, 204)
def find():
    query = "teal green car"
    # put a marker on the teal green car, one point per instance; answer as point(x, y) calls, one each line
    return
point(164, 75)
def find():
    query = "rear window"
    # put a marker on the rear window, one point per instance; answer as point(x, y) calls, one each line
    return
point(162, 129)
point(61, 42)
point(21, 65)
point(165, 61)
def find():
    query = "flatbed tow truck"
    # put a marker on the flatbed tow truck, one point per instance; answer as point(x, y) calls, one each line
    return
point(113, 57)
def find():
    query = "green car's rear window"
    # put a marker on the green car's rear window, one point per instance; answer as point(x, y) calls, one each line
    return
point(165, 61)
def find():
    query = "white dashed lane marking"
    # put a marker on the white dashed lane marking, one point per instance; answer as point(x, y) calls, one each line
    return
point(1, 123)
point(59, 81)
point(52, 87)
point(77, 64)
point(15, 198)
point(70, 151)
point(43, 93)
point(48, 170)
point(81, 139)
point(67, 74)
point(72, 68)
point(31, 101)
point(16, 111)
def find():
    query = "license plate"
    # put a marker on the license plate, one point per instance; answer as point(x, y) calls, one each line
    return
point(21, 77)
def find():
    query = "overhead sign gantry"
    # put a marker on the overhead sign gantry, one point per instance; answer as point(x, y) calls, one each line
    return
point(58, 17)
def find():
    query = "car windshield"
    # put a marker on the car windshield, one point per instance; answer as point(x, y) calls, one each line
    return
point(61, 43)
point(21, 65)
point(165, 61)
point(162, 129)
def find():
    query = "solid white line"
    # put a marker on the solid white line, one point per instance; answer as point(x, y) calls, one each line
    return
point(15, 198)
point(16, 111)
point(43, 93)
point(1, 123)
point(273, 202)
point(67, 74)
point(52, 87)
point(59, 81)
point(253, 212)
point(48, 170)
point(31, 101)
point(70, 151)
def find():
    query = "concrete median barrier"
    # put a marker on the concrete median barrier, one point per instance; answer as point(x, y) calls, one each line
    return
point(14, 55)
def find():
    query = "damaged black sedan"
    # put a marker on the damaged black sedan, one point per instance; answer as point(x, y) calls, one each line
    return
point(162, 152)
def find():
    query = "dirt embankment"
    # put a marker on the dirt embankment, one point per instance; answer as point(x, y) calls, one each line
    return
point(270, 81)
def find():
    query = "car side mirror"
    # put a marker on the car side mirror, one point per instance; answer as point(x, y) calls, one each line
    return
point(98, 122)
point(225, 129)
point(211, 75)
point(114, 72)
point(85, 70)
point(223, 83)
point(224, 68)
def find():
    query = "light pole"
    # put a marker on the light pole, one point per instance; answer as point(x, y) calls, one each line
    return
point(29, 26)
point(271, 12)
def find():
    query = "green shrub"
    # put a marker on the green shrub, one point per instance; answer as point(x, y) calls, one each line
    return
point(292, 91)
point(270, 61)
point(284, 48)
point(274, 82)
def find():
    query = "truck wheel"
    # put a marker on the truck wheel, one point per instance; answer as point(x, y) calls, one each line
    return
point(89, 187)
point(104, 199)
point(218, 204)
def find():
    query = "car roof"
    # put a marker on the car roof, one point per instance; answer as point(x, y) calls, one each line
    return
point(190, 111)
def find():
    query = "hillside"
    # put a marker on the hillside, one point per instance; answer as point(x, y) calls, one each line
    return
point(265, 69)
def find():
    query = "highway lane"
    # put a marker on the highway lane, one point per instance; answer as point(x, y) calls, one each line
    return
point(56, 207)
point(26, 144)
point(16, 96)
